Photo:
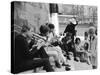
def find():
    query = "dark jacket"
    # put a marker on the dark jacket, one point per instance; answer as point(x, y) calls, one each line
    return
point(71, 28)
point(21, 49)
point(22, 52)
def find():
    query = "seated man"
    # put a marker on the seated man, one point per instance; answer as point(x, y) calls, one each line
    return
point(23, 57)
point(53, 49)
point(44, 32)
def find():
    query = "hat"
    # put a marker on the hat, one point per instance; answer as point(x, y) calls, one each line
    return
point(72, 20)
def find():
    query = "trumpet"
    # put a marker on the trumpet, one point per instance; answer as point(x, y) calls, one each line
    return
point(37, 36)
point(37, 40)
point(40, 40)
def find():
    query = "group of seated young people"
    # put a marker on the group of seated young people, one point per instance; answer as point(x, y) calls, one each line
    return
point(31, 53)
point(86, 50)
point(82, 50)
point(26, 56)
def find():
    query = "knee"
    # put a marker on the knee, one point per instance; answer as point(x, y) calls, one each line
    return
point(55, 54)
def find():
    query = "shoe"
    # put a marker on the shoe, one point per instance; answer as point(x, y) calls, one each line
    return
point(67, 68)
point(94, 67)
point(75, 59)
point(57, 64)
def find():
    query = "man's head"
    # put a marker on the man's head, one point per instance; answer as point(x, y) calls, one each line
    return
point(51, 27)
point(44, 30)
point(26, 30)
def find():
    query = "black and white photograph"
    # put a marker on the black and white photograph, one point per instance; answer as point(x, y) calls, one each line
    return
point(53, 37)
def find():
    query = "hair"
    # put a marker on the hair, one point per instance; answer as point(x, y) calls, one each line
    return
point(91, 30)
point(44, 29)
point(87, 46)
point(25, 28)
point(85, 33)
point(51, 26)
point(76, 40)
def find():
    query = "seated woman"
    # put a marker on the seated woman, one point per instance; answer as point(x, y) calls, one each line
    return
point(79, 49)
point(87, 53)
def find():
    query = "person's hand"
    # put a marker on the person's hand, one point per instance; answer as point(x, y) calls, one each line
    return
point(34, 46)
point(40, 43)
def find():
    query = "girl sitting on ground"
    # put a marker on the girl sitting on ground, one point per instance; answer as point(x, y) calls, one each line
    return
point(86, 53)
point(79, 50)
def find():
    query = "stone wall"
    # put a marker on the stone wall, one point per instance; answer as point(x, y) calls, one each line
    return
point(32, 14)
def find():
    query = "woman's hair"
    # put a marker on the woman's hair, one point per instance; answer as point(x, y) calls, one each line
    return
point(86, 46)
point(76, 40)
point(44, 29)
point(25, 28)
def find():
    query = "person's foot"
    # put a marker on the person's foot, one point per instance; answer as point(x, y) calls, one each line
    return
point(67, 68)
point(88, 62)
point(75, 59)
point(94, 67)
point(37, 69)
point(57, 64)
